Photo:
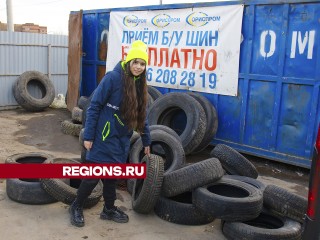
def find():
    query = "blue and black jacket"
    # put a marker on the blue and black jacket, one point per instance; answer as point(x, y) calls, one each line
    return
point(104, 126)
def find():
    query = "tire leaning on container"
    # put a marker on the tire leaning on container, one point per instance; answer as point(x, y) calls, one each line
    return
point(165, 107)
point(66, 193)
point(25, 99)
point(212, 120)
point(154, 93)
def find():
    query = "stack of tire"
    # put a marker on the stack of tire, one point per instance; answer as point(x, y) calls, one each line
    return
point(281, 212)
point(45, 191)
point(33, 91)
point(223, 187)
point(73, 126)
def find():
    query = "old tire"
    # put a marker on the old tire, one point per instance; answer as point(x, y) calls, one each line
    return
point(180, 210)
point(164, 109)
point(146, 192)
point(266, 226)
point(76, 115)
point(229, 200)
point(31, 157)
point(201, 173)
point(66, 193)
point(27, 192)
point(154, 93)
point(175, 157)
point(284, 202)
point(212, 120)
point(252, 181)
point(70, 127)
point(21, 91)
point(234, 162)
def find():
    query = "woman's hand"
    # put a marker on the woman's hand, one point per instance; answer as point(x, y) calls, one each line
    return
point(147, 151)
point(87, 145)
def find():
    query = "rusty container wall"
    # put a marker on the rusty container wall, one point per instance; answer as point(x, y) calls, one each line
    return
point(276, 112)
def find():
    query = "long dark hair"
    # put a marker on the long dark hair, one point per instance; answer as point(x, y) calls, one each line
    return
point(134, 102)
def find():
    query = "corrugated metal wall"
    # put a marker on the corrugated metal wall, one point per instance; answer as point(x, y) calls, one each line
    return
point(20, 52)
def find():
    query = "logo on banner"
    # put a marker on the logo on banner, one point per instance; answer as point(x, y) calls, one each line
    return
point(163, 20)
point(133, 21)
point(199, 19)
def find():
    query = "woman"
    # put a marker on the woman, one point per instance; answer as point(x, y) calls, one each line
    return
point(117, 107)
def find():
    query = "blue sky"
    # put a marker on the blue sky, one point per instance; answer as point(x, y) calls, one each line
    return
point(55, 13)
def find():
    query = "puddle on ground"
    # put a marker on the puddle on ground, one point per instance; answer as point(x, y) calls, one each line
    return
point(44, 132)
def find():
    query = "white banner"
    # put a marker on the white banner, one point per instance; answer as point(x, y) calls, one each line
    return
point(192, 48)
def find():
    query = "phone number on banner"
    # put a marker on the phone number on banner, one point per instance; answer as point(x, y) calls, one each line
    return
point(181, 79)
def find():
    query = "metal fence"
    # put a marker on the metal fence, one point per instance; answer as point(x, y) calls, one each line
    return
point(20, 52)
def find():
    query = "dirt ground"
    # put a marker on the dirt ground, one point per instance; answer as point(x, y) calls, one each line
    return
point(23, 132)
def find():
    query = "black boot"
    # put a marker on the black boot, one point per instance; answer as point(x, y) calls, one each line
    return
point(115, 214)
point(76, 214)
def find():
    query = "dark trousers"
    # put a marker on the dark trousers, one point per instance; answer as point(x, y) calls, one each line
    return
point(87, 185)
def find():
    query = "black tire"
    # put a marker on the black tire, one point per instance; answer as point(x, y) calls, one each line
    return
point(66, 193)
point(146, 192)
point(76, 115)
point(166, 106)
point(150, 101)
point(201, 173)
point(82, 102)
point(284, 202)
point(229, 200)
point(266, 226)
point(180, 210)
point(25, 99)
point(252, 181)
point(27, 192)
point(166, 129)
point(154, 93)
point(70, 127)
point(212, 121)
point(135, 136)
point(83, 155)
point(175, 157)
point(31, 157)
point(233, 162)
point(81, 141)
point(85, 108)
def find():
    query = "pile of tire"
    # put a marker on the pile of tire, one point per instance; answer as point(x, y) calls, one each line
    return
point(33, 91)
point(45, 191)
point(223, 187)
point(281, 212)
point(189, 114)
point(73, 126)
